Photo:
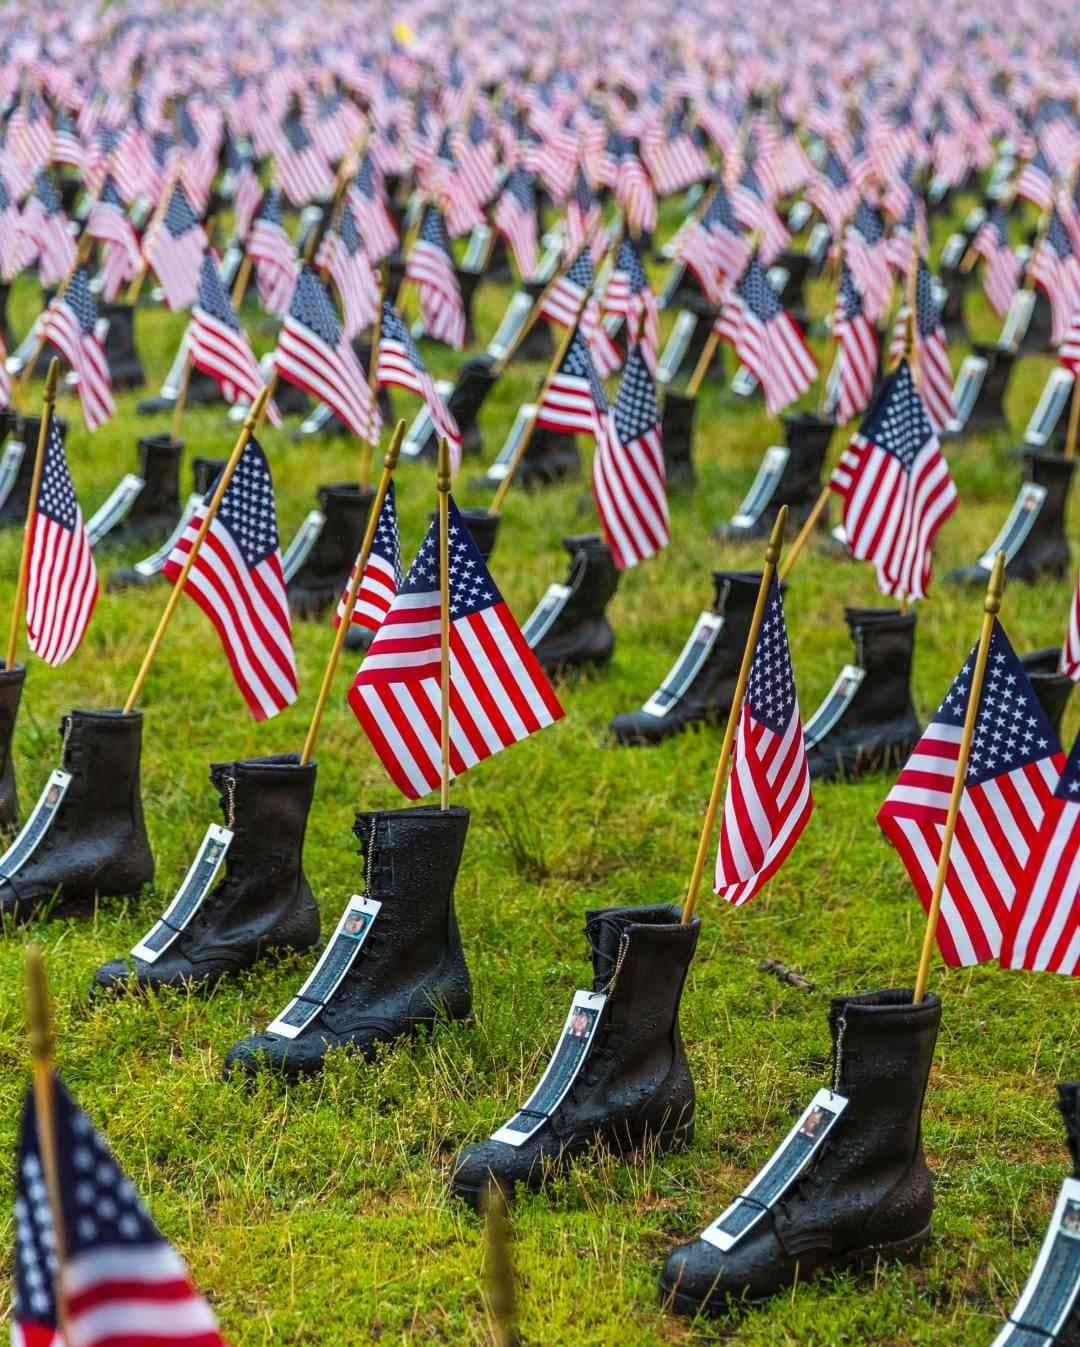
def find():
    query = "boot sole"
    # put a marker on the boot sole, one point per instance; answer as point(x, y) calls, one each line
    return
point(899, 1251)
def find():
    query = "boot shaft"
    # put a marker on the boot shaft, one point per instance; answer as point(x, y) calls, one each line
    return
point(1069, 1104)
point(1055, 473)
point(205, 472)
point(807, 436)
point(346, 506)
point(266, 802)
point(11, 686)
point(1052, 687)
point(159, 467)
point(25, 429)
point(475, 380)
point(592, 581)
point(411, 856)
point(884, 642)
point(103, 750)
point(640, 958)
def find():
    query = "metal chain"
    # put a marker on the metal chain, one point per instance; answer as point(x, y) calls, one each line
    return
point(230, 801)
point(624, 945)
point(68, 720)
point(840, 1030)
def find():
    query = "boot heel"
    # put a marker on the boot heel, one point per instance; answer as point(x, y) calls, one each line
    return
point(896, 1251)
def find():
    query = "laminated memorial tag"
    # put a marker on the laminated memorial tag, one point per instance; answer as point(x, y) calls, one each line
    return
point(952, 254)
point(780, 1172)
point(763, 487)
point(1018, 318)
point(552, 256)
point(1048, 409)
point(298, 551)
point(189, 897)
point(153, 564)
point(1025, 511)
point(1054, 1285)
point(544, 614)
point(522, 421)
point(969, 384)
point(672, 281)
point(974, 220)
point(685, 669)
point(37, 825)
point(9, 467)
point(799, 216)
point(778, 277)
point(116, 508)
point(817, 243)
point(744, 384)
point(513, 320)
point(562, 1069)
point(479, 245)
point(337, 958)
point(678, 344)
point(834, 705)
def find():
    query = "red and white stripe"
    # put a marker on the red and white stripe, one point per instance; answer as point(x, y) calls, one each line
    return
point(276, 265)
point(441, 306)
point(857, 361)
point(330, 374)
point(61, 590)
point(1001, 274)
point(1043, 934)
point(355, 281)
point(226, 356)
point(86, 356)
point(568, 406)
point(1069, 352)
point(110, 226)
point(114, 1299)
point(1070, 651)
point(931, 368)
point(374, 597)
point(630, 489)
point(775, 353)
point(395, 369)
point(176, 263)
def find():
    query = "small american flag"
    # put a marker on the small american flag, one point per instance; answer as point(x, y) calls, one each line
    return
point(1013, 769)
point(714, 247)
point(833, 192)
point(62, 583)
point(44, 228)
point(431, 269)
point(271, 249)
point(562, 300)
point(857, 349)
point(247, 193)
point(342, 254)
point(175, 250)
point(574, 401)
point(1070, 651)
point(896, 488)
point(400, 365)
point(766, 339)
point(238, 582)
point(382, 574)
point(109, 224)
point(1056, 268)
point(313, 354)
point(71, 326)
point(366, 197)
point(218, 345)
point(1069, 351)
point(931, 352)
point(867, 254)
point(123, 1283)
point(498, 692)
point(302, 168)
point(1043, 931)
point(753, 209)
point(1002, 274)
point(630, 295)
point(515, 219)
point(1036, 181)
point(634, 190)
point(769, 801)
point(628, 469)
point(582, 215)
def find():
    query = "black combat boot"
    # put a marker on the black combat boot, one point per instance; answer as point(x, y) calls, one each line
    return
point(988, 412)
point(634, 1086)
point(1051, 686)
point(537, 344)
point(410, 970)
point(868, 725)
point(205, 472)
point(549, 457)
point(263, 903)
point(677, 433)
point(325, 573)
point(1045, 550)
point(467, 283)
point(475, 380)
point(154, 511)
point(11, 686)
point(581, 633)
point(797, 485)
point(14, 505)
point(702, 695)
point(865, 1194)
point(96, 845)
point(121, 354)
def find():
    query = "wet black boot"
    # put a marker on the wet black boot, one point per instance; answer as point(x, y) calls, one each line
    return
point(867, 722)
point(262, 903)
point(154, 510)
point(121, 354)
point(149, 571)
point(325, 571)
point(580, 633)
point(11, 686)
point(15, 492)
point(701, 683)
point(677, 433)
point(865, 1192)
point(410, 970)
point(633, 1087)
point(475, 380)
point(95, 845)
point(1051, 686)
point(790, 477)
point(549, 457)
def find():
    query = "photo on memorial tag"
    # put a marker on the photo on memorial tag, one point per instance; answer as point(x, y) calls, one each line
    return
point(355, 925)
point(1070, 1219)
point(52, 796)
point(815, 1122)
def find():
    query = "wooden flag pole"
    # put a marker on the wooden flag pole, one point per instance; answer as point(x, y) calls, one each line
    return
point(389, 464)
point(712, 341)
point(47, 406)
point(248, 429)
point(41, 1056)
point(1074, 419)
point(500, 1269)
point(442, 484)
point(81, 255)
point(134, 289)
point(772, 555)
point(991, 605)
point(1040, 235)
point(367, 450)
point(243, 275)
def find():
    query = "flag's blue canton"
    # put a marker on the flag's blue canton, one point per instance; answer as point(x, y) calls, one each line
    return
point(36, 1263)
point(1057, 236)
point(347, 230)
point(898, 423)
point(996, 221)
point(434, 231)
point(520, 187)
point(247, 507)
point(1041, 164)
point(869, 222)
point(1068, 788)
point(80, 301)
point(270, 207)
point(835, 171)
point(108, 138)
point(578, 363)
point(582, 195)
point(750, 182)
point(770, 686)
point(297, 137)
point(160, 144)
point(720, 213)
point(213, 297)
point(56, 495)
point(756, 292)
point(186, 127)
point(629, 262)
point(927, 309)
point(387, 540)
point(445, 151)
point(471, 586)
point(179, 217)
point(477, 129)
point(394, 329)
point(110, 196)
point(5, 195)
point(1011, 729)
point(581, 270)
point(635, 408)
point(850, 305)
point(46, 193)
point(364, 182)
point(311, 307)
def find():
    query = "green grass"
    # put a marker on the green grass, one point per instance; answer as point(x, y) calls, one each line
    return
point(319, 1214)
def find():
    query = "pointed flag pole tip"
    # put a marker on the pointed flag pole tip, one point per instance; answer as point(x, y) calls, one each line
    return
point(442, 467)
point(257, 407)
point(776, 538)
point(394, 448)
point(52, 378)
point(39, 1019)
point(995, 586)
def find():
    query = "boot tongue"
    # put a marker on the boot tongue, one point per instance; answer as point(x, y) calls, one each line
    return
point(1069, 1103)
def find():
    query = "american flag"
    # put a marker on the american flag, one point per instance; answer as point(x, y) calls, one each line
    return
point(574, 401)
point(66, 146)
point(218, 345)
point(476, 156)
point(302, 168)
point(498, 692)
point(769, 801)
point(175, 250)
point(238, 582)
point(30, 133)
point(271, 249)
point(1056, 268)
point(1043, 929)
point(247, 193)
point(867, 254)
point(896, 488)
point(431, 268)
point(1013, 769)
point(444, 181)
point(582, 215)
point(1036, 181)
point(382, 573)
point(122, 1281)
point(931, 352)
point(399, 364)
point(1070, 651)
point(766, 339)
point(833, 193)
point(313, 354)
point(365, 195)
point(634, 190)
point(44, 229)
point(753, 209)
point(62, 583)
point(16, 249)
point(629, 294)
point(1002, 274)
point(109, 224)
point(71, 326)
point(341, 253)
point(1069, 351)
point(857, 349)
point(562, 300)
point(629, 484)
point(515, 219)
point(714, 247)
